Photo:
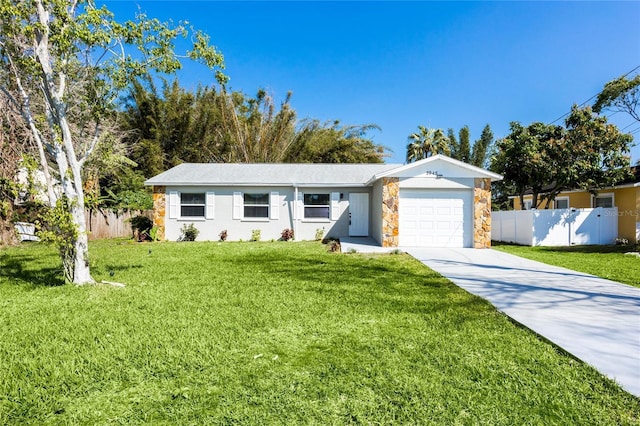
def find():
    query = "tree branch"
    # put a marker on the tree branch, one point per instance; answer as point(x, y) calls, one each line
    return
point(92, 145)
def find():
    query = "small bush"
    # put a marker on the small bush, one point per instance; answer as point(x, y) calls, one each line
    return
point(287, 234)
point(188, 232)
point(334, 246)
point(154, 233)
point(396, 251)
point(329, 239)
point(223, 235)
point(255, 235)
point(141, 228)
point(319, 234)
point(622, 241)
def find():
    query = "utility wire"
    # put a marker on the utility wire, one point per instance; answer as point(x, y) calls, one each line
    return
point(628, 125)
point(594, 96)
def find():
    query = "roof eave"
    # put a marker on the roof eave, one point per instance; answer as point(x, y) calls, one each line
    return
point(248, 184)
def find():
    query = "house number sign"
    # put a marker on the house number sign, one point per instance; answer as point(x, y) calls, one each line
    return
point(433, 173)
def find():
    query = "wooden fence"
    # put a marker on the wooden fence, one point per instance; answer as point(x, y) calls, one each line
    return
point(108, 224)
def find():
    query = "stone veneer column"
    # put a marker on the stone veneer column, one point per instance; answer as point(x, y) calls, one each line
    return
point(482, 213)
point(159, 209)
point(390, 216)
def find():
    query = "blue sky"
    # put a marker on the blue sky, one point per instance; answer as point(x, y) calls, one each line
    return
point(404, 64)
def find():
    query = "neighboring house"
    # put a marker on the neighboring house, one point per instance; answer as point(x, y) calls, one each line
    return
point(435, 202)
point(624, 195)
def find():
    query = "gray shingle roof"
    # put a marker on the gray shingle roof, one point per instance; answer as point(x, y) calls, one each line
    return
point(219, 174)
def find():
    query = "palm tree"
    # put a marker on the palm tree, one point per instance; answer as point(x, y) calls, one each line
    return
point(427, 142)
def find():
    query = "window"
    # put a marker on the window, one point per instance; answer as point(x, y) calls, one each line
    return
point(527, 205)
point(562, 202)
point(603, 200)
point(192, 204)
point(316, 206)
point(256, 205)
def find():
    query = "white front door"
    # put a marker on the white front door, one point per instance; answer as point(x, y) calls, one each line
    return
point(358, 214)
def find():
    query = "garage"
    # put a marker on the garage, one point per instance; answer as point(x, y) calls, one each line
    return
point(436, 217)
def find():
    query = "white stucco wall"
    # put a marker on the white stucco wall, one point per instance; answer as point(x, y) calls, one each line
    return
point(376, 212)
point(270, 228)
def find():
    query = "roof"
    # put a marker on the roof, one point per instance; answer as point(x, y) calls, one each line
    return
point(309, 174)
point(456, 165)
point(270, 174)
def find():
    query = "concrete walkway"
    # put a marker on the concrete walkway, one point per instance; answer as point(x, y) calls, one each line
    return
point(596, 320)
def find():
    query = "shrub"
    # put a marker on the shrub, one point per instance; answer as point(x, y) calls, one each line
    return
point(287, 234)
point(223, 235)
point(188, 232)
point(334, 246)
point(255, 235)
point(56, 226)
point(141, 227)
point(319, 234)
point(622, 241)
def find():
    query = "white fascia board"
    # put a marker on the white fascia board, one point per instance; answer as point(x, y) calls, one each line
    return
point(332, 185)
point(258, 184)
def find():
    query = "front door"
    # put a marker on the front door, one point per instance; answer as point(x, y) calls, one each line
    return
point(358, 214)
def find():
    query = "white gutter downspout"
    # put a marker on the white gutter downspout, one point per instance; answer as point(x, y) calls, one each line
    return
point(296, 215)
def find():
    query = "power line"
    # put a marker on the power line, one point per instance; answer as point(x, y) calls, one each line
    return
point(585, 102)
point(628, 125)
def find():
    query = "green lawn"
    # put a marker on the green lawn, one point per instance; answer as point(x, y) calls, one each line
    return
point(274, 333)
point(608, 262)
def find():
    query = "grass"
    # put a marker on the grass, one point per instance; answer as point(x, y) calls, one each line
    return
point(274, 333)
point(608, 262)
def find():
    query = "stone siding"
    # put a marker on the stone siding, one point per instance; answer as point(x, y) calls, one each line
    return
point(482, 213)
point(159, 210)
point(390, 215)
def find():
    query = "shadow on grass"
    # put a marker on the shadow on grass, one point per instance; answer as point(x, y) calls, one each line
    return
point(573, 249)
point(354, 280)
point(21, 269)
point(588, 249)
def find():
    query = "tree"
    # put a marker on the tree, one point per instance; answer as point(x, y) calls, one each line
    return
point(464, 146)
point(173, 126)
point(545, 160)
point(462, 150)
point(525, 158)
point(427, 142)
point(621, 94)
point(67, 62)
point(15, 143)
point(597, 153)
point(480, 150)
point(454, 146)
point(331, 142)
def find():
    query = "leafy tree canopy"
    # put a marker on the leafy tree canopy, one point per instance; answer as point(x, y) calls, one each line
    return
point(171, 126)
point(545, 159)
point(621, 94)
point(427, 142)
point(63, 66)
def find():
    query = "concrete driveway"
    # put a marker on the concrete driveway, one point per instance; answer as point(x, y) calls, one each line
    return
point(596, 320)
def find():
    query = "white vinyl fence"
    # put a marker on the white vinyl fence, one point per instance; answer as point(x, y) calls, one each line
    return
point(560, 227)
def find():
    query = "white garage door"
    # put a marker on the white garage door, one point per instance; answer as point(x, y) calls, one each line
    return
point(435, 218)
